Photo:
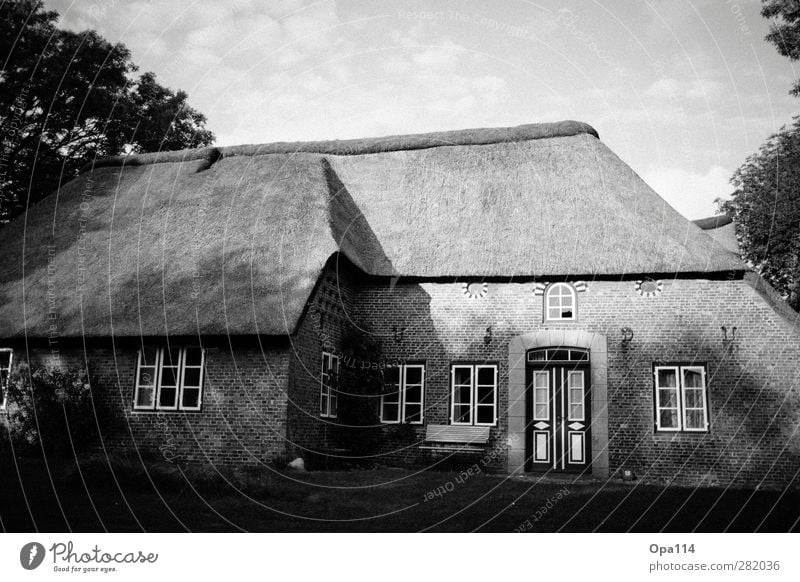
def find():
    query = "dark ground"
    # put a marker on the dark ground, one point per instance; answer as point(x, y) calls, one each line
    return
point(52, 497)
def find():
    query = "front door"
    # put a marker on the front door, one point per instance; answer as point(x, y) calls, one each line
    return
point(558, 406)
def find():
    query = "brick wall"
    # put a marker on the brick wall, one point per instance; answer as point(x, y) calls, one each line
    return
point(242, 421)
point(753, 381)
point(328, 317)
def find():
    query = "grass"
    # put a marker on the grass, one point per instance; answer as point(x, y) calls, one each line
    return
point(54, 496)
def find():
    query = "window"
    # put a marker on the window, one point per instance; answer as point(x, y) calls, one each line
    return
point(680, 398)
point(327, 398)
point(169, 379)
point(560, 302)
point(6, 358)
point(473, 394)
point(403, 394)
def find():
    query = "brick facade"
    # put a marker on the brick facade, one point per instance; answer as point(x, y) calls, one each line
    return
point(754, 397)
point(242, 421)
point(261, 398)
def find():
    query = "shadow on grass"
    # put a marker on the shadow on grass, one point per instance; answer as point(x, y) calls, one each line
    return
point(53, 495)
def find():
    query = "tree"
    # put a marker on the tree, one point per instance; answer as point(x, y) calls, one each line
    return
point(784, 31)
point(765, 207)
point(67, 98)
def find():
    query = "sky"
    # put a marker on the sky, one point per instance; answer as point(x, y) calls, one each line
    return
point(681, 90)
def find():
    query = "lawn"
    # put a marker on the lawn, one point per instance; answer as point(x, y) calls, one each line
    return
point(55, 497)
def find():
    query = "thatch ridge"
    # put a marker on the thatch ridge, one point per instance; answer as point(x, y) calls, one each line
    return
point(713, 222)
point(356, 147)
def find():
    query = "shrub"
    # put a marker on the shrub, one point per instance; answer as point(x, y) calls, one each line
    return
point(52, 409)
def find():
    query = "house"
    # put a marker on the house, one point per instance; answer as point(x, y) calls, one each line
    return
point(532, 297)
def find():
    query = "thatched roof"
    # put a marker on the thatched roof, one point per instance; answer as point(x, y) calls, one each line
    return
point(722, 230)
point(232, 240)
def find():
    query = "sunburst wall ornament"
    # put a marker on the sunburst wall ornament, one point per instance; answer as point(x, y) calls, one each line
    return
point(649, 288)
point(475, 290)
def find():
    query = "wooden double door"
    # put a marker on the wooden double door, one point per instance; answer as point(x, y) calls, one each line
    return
point(558, 403)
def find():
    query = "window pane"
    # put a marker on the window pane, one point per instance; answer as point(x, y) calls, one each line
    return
point(668, 398)
point(667, 378)
point(541, 379)
point(575, 411)
point(145, 397)
point(694, 419)
point(462, 395)
point(334, 405)
point(485, 394)
point(413, 412)
point(669, 418)
point(538, 356)
point(460, 413)
point(391, 411)
point(414, 394)
point(566, 313)
point(169, 376)
point(693, 398)
point(191, 377)
point(485, 415)
point(191, 397)
point(486, 376)
point(541, 411)
point(323, 405)
point(193, 356)
point(413, 375)
point(462, 375)
point(576, 380)
point(692, 379)
point(5, 359)
point(393, 394)
point(554, 313)
point(147, 376)
point(149, 356)
point(579, 355)
point(167, 397)
point(171, 356)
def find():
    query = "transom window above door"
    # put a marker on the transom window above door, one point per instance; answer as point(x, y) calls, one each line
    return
point(560, 302)
point(562, 354)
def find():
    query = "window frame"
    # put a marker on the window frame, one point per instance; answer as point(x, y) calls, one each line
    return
point(157, 386)
point(473, 402)
point(546, 301)
point(680, 389)
point(326, 391)
point(402, 385)
point(4, 385)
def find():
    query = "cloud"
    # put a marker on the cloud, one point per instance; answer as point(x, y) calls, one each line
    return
point(691, 194)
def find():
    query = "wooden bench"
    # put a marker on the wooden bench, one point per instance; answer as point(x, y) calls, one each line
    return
point(448, 437)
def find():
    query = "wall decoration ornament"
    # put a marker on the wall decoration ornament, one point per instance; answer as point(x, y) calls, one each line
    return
point(649, 288)
point(579, 286)
point(475, 290)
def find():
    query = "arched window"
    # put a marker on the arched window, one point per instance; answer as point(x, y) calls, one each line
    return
point(560, 302)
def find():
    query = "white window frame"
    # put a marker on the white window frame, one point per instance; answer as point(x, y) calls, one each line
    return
point(4, 385)
point(402, 413)
point(159, 364)
point(680, 389)
point(328, 401)
point(473, 403)
point(548, 294)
